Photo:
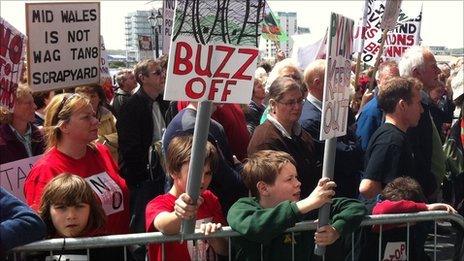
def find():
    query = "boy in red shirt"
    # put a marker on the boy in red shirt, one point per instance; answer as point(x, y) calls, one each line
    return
point(166, 212)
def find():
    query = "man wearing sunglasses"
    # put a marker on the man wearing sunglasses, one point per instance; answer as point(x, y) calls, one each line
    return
point(141, 123)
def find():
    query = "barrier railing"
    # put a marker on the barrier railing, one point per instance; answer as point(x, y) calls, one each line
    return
point(227, 232)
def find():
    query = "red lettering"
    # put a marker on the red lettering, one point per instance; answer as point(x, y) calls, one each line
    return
point(410, 40)
point(185, 61)
point(226, 91)
point(207, 70)
point(5, 34)
point(213, 89)
point(229, 51)
point(253, 54)
point(191, 92)
point(16, 46)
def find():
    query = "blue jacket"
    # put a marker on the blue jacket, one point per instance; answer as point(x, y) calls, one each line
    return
point(19, 224)
point(348, 159)
point(369, 121)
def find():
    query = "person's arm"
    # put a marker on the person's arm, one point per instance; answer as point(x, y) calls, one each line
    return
point(347, 214)
point(261, 225)
point(369, 188)
point(169, 222)
point(322, 194)
point(19, 224)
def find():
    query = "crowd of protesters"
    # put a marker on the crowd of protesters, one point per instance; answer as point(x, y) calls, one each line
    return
point(120, 166)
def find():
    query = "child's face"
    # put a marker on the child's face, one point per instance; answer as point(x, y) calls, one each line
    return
point(285, 187)
point(70, 221)
point(180, 179)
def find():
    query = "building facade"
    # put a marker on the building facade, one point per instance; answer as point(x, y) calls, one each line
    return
point(137, 25)
point(289, 23)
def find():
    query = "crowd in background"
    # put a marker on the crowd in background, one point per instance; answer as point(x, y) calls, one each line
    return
point(118, 163)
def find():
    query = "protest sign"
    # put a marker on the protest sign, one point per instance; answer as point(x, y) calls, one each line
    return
point(405, 34)
point(64, 44)
point(11, 62)
point(337, 77)
point(213, 57)
point(168, 20)
point(13, 174)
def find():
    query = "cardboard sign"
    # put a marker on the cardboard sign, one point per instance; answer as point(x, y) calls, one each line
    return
point(395, 251)
point(405, 34)
point(11, 62)
point(13, 174)
point(168, 20)
point(108, 191)
point(337, 77)
point(64, 44)
point(213, 61)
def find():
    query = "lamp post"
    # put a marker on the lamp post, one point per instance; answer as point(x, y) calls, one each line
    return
point(156, 23)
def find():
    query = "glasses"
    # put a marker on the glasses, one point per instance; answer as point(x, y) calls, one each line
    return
point(292, 103)
point(158, 72)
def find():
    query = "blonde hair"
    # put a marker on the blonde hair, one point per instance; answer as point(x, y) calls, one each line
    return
point(70, 190)
point(58, 111)
point(6, 115)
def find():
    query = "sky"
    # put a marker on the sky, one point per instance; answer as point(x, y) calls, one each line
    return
point(442, 23)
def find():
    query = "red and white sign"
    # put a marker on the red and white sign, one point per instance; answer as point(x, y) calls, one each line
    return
point(218, 72)
point(11, 62)
point(405, 34)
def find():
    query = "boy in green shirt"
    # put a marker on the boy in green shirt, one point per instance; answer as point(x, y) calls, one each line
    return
point(275, 205)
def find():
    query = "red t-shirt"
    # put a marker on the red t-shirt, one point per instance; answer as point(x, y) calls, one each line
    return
point(101, 173)
point(209, 211)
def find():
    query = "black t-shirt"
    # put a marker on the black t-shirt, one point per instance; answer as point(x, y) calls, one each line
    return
point(388, 155)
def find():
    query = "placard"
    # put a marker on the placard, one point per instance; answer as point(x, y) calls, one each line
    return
point(213, 57)
point(11, 62)
point(64, 44)
point(168, 19)
point(335, 103)
point(405, 34)
point(13, 175)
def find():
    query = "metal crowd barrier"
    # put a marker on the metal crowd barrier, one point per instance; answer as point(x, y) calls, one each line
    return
point(226, 232)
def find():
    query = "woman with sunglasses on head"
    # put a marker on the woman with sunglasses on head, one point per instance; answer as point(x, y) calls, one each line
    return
point(282, 132)
point(71, 129)
point(19, 137)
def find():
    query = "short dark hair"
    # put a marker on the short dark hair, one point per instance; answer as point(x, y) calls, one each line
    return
point(264, 166)
point(180, 150)
point(403, 188)
point(141, 68)
point(396, 89)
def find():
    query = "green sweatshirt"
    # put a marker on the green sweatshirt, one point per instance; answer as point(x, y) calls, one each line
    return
point(266, 225)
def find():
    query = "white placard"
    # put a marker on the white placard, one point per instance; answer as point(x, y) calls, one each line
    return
point(168, 21)
point(108, 191)
point(395, 251)
point(63, 45)
point(337, 78)
point(13, 175)
point(213, 61)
